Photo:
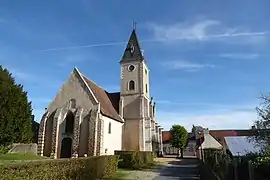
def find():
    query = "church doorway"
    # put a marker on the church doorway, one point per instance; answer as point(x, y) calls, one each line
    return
point(66, 148)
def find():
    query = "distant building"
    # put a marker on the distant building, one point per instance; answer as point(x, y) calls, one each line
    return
point(84, 118)
point(169, 150)
point(234, 141)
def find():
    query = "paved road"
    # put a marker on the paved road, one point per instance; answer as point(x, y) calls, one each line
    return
point(168, 169)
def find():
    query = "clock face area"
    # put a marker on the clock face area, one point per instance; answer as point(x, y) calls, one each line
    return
point(131, 68)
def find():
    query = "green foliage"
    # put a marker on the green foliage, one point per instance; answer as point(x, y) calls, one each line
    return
point(219, 162)
point(15, 111)
point(135, 159)
point(262, 125)
point(17, 156)
point(120, 174)
point(4, 149)
point(97, 167)
point(178, 136)
point(261, 161)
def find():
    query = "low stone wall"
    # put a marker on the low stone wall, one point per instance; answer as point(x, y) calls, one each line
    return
point(23, 148)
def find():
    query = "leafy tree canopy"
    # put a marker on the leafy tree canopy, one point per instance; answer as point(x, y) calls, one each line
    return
point(262, 124)
point(179, 137)
point(15, 111)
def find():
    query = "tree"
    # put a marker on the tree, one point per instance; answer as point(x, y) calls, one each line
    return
point(179, 138)
point(261, 127)
point(15, 111)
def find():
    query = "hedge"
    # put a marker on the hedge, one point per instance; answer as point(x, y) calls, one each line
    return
point(206, 173)
point(135, 159)
point(97, 167)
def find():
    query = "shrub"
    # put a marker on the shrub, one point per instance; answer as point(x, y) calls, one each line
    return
point(15, 111)
point(219, 162)
point(135, 159)
point(97, 167)
point(4, 149)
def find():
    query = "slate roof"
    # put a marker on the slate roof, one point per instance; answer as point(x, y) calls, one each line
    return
point(220, 135)
point(137, 54)
point(241, 145)
point(109, 102)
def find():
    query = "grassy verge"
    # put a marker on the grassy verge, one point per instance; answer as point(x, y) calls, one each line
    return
point(15, 157)
point(120, 174)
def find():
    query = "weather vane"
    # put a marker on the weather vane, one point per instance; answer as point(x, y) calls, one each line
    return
point(134, 25)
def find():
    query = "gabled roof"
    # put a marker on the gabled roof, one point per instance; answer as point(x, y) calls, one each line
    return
point(210, 142)
point(108, 101)
point(133, 45)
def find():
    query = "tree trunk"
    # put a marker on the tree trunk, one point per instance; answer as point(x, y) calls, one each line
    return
point(182, 153)
point(178, 153)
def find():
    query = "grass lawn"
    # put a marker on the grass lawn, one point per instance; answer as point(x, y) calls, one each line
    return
point(120, 174)
point(14, 157)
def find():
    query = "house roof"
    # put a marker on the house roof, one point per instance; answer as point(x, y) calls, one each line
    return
point(210, 142)
point(166, 136)
point(241, 145)
point(108, 101)
point(223, 133)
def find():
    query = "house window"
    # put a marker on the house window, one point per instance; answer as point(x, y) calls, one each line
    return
point(146, 88)
point(145, 71)
point(131, 85)
point(110, 128)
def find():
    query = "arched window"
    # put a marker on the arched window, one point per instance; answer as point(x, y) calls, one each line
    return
point(72, 103)
point(131, 85)
point(110, 128)
point(69, 123)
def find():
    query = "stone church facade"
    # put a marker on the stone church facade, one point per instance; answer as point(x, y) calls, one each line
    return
point(84, 119)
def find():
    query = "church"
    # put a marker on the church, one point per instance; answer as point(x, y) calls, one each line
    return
point(84, 119)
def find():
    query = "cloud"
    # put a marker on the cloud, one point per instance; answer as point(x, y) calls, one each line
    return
point(185, 66)
point(71, 60)
point(16, 73)
point(82, 47)
point(240, 55)
point(225, 120)
point(206, 30)
point(212, 106)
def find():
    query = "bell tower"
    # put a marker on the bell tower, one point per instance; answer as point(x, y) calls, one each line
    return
point(134, 96)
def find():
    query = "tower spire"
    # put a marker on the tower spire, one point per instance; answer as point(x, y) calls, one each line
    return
point(133, 51)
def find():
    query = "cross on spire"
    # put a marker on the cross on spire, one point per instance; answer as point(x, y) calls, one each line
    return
point(134, 25)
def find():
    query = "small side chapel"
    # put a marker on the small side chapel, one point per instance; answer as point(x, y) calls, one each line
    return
point(85, 120)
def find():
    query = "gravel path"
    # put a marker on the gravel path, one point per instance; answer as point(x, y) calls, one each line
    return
point(168, 169)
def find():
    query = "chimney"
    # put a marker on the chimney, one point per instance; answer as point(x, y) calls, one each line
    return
point(205, 131)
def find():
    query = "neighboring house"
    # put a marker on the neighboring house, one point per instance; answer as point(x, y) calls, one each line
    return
point(224, 140)
point(169, 150)
point(83, 118)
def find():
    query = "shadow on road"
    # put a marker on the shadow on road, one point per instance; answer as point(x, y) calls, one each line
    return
point(177, 168)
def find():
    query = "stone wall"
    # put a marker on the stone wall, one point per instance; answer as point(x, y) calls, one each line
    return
point(24, 148)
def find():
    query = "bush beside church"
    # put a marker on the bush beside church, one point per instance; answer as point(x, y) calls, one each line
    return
point(97, 167)
point(135, 159)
